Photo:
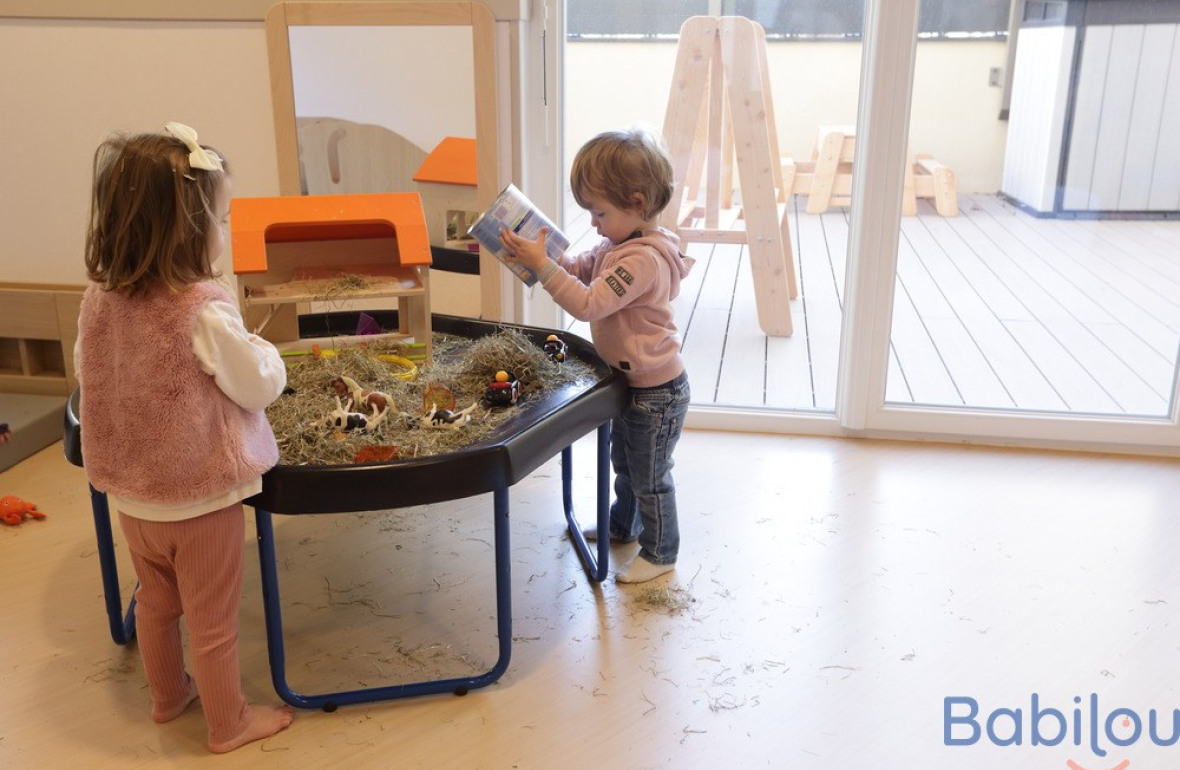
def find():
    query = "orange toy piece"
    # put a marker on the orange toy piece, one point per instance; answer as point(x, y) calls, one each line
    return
point(451, 162)
point(14, 511)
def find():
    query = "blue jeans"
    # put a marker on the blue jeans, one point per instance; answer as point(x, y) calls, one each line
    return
point(643, 438)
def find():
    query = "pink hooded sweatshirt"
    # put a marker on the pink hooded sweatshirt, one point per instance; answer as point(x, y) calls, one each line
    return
point(625, 292)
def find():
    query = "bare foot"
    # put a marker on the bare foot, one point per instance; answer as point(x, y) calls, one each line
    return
point(161, 715)
point(265, 721)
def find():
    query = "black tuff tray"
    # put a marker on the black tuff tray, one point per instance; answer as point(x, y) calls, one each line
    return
point(544, 424)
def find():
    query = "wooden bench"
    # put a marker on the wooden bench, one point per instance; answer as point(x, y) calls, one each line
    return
point(826, 179)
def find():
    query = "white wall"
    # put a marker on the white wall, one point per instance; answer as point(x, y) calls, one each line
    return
point(67, 84)
point(955, 111)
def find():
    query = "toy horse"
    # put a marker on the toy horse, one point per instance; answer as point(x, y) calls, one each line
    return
point(346, 386)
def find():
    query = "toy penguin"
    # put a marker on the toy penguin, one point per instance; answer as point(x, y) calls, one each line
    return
point(504, 390)
point(556, 348)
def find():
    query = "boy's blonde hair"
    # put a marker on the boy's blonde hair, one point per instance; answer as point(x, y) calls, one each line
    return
point(151, 215)
point(617, 165)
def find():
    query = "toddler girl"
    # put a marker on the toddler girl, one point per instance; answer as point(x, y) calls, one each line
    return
point(172, 400)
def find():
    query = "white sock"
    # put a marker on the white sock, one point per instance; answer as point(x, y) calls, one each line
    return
point(641, 570)
point(591, 535)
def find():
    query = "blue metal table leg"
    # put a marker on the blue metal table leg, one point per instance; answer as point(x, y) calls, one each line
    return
point(329, 701)
point(122, 626)
point(596, 568)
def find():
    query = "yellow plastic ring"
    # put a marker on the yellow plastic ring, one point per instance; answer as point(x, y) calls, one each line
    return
point(411, 369)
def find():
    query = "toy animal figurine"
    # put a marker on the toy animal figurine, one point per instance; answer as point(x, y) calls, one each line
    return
point(504, 390)
point(375, 453)
point(346, 386)
point(446, 419)
point(344, 419)
point(14, 511)
point(556, 348)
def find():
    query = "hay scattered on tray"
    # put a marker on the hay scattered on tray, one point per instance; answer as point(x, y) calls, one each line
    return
point(463, 365)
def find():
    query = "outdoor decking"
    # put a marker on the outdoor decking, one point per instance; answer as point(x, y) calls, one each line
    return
point(993, 308)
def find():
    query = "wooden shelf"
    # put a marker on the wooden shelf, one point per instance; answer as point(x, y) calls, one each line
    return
point(38, 326)
point(323, 284)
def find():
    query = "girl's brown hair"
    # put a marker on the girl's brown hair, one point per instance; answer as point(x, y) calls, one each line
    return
point(151, 215)
point(617, 165)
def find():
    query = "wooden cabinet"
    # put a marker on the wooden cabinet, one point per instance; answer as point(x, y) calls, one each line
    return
point(38, 327)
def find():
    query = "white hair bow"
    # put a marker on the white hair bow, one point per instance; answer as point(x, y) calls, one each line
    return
point(198, 157)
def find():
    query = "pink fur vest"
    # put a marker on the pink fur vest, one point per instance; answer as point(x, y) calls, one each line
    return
point(155, 428)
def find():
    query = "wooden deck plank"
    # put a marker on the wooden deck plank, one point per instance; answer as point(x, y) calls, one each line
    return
point(1132, 356)
point(1153, 244)
point(704, 344)
point(690, 288)
point(1102, 276)
point(938, 307)
point(993, 309)
point(791, 362)
point(1071, 379)
point(828, 322)
point(980, 302)
point(1123, 267)
point(742, 380)
point(926, 377)
point(1155, 371)
point(925, 374)
point(897, 390)
point(826, 254)
point(1061, 309)
point(996, 250)
point(685, 306)
point(1103, 279)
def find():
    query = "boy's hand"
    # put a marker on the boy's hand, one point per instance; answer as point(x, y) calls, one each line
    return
point(531, 254)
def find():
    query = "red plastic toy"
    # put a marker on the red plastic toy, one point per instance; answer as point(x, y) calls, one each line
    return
point(14, 511)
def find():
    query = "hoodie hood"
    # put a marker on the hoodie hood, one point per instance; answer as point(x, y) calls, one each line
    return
point(667, 245)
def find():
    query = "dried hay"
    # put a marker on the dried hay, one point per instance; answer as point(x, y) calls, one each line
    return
point(463, 365)
point(671, 599)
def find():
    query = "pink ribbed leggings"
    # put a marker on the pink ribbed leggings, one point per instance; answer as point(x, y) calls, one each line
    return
point(191, 568)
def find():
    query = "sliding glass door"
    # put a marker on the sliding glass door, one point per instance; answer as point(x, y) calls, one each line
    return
point(981, 214)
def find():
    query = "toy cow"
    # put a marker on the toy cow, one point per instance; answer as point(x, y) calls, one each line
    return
point(344, 419)
point(446, 419)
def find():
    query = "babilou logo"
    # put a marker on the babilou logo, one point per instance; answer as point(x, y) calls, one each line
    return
point(1087, 725)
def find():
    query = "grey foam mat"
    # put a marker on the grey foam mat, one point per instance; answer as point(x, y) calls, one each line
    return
point(35, 423)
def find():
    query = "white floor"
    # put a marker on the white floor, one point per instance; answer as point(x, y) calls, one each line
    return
point(830, 595)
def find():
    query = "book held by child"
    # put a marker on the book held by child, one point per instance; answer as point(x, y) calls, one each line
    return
point(512, 210)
